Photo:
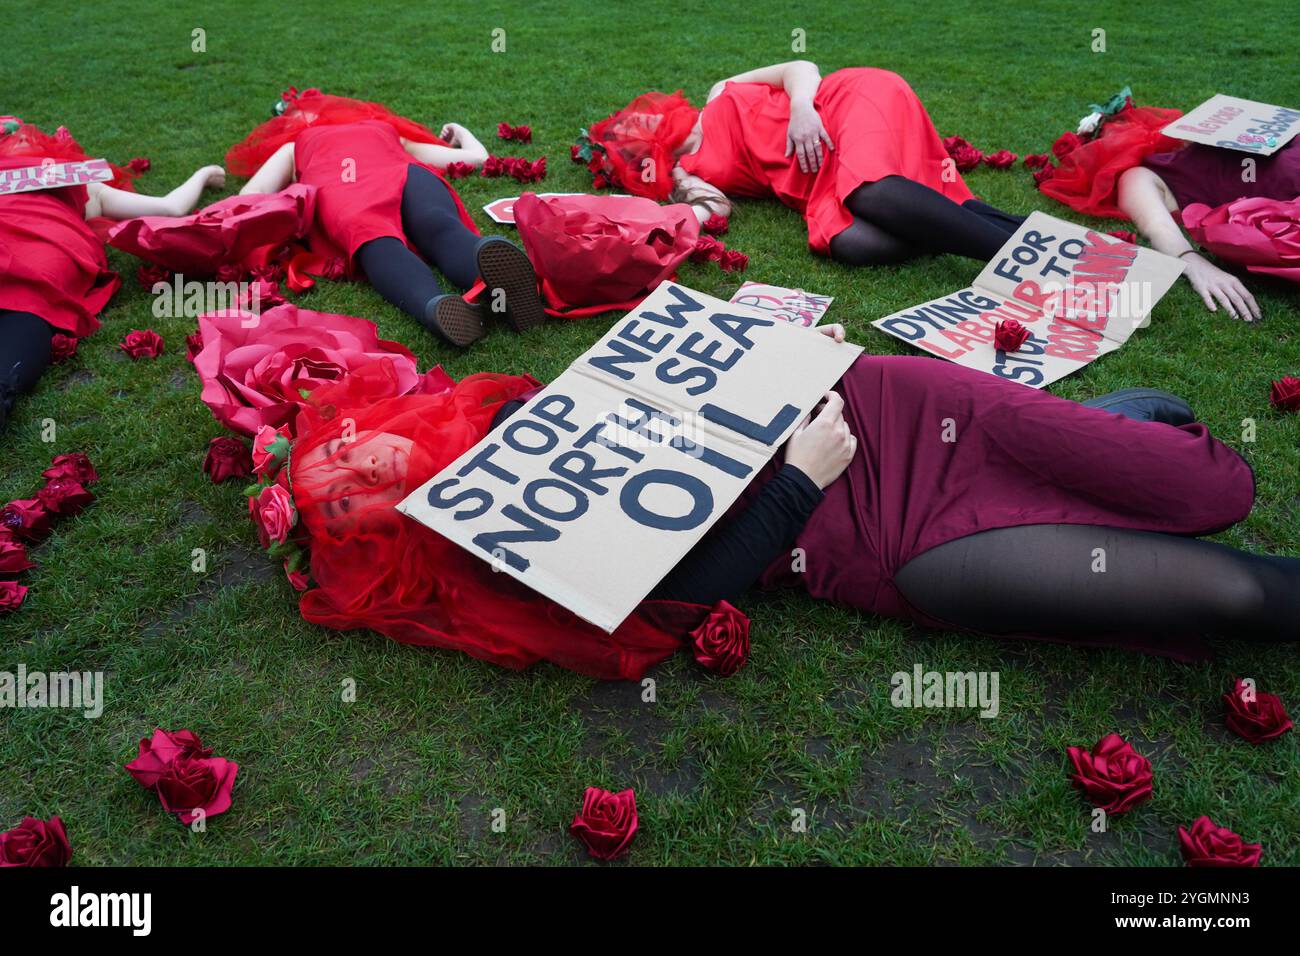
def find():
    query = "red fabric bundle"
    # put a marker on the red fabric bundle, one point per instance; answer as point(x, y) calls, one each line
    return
point(599, 253)
point(378, 569)
point(1261, 234)
point(639, 141)
point(241, 231)
point(31, 142)
point(1087, 179)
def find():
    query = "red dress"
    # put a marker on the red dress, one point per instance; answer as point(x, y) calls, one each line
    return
point(1020, 457)
point(51, 262)
point(874, 119)
point(352, 211)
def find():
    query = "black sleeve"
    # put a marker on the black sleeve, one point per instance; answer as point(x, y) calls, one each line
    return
point(728, 561)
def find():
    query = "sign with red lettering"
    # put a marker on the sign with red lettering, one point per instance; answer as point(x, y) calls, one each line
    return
point(1234, 123)
point(789, 305)
point(595, 489)
point(1080, 294)
point(503, 210)
point(52, 175)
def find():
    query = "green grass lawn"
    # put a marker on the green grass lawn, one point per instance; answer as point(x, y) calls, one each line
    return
point(411, 772)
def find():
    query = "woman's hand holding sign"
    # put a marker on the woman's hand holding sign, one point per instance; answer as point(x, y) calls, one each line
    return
point(822, 446)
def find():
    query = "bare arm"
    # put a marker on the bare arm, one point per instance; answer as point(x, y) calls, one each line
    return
point(1146, 200)
point(800, 79)
point(276, 173)
point(120, 204)
point(464, 148)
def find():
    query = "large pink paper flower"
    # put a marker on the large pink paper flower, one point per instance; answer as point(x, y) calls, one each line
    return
point(1261, 234)
point(257, 370)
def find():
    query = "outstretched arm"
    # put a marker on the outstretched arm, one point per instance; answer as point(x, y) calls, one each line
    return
point(464, 148)
point(119, 204)
point(276, 173)
point(1146, 200)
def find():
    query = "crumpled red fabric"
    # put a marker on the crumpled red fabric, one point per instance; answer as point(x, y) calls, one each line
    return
point(1261, 234)
point(241, 231)
point(600, 253)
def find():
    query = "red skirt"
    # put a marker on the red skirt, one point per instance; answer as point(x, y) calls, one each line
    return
point(1020, 457)
point(51, 262)
point(359, 171)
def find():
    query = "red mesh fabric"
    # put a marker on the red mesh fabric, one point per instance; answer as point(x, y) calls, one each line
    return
point(639, 141)
point(1087, 179)
point(312, 109)
point(378, 569)
point(31, 141)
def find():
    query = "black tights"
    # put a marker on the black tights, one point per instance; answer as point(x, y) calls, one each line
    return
point(1041, 579)
point(24, 355)
point(895, 219)
point(432, 224)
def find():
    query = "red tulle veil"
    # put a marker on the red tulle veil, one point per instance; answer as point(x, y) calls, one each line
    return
point(313, 108)
point(31, 142)
point(643, 135)
point(1087, 180)
point(378, 569)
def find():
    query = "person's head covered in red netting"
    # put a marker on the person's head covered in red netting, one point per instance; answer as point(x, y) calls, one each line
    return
point(299, 111)
point(359, 452)
point(640, 142)
point(21, 142)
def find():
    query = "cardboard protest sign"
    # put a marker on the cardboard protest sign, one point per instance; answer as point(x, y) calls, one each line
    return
point(1234, 123)
point(51, 175)
point(1081, 295)
point(600, 484)
point(789, 305)
point(503, 210)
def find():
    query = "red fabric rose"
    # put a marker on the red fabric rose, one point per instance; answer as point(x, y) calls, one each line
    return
point(459, 170)
point(269, 452)
point(273, 512)
point(139, 165)
point(1129, 237)
point(602, 181)
point(157, 752)
point(256, 373)
point(1043, 175)
point(142, 343)
point(522, 134)
point(1209, 845)
point(967, 157)
point(575, 154)
point(149, 275)
point(13, 557)
point(261, 294)
point(1113, 775)
point(1037, 160)
point(188, 785)
point(716, 225)
point(72, 465)
point(953, 143)
point(1009, 335)
point(227, 458)
point(229, 272)
point(26, 518)
point(721, 642)
point(606, 823)
point(1253, 714)
point(193, 345)
point(1002, 159)
point(12, 595)
point(707, 249)
point(734, 261)
point(493, 167)
point(64, 496)
point(271, 272)
point(1285, 394)
point(62, 347)
point(1066, 144)
point(297, 579)
point(35, 843)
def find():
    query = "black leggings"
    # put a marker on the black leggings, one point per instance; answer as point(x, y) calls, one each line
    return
point(1046, 580)
point(895, 219)
point(24, 351)
point(432, 223)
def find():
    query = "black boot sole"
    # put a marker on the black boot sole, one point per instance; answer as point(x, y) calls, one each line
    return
point(457, 321)
point(504, 266)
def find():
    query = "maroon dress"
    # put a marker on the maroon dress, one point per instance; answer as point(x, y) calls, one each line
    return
point(1017, 456)
point(1213, 176)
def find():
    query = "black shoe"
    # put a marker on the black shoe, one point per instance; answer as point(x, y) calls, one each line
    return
point(457, 321)
point(504, 266)
point(1145, 405)
point(8, 395)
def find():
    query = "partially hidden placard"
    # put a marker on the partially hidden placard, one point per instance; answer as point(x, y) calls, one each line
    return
point(601, 483)
point(1234, 123)
point(51, 175)
point(790, 305)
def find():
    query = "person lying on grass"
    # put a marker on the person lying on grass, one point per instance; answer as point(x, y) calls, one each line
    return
point(54, 275)
point(854, 153)
point(383, 207)
point(918, 489)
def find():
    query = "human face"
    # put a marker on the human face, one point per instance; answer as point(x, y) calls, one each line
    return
point(353, 478)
